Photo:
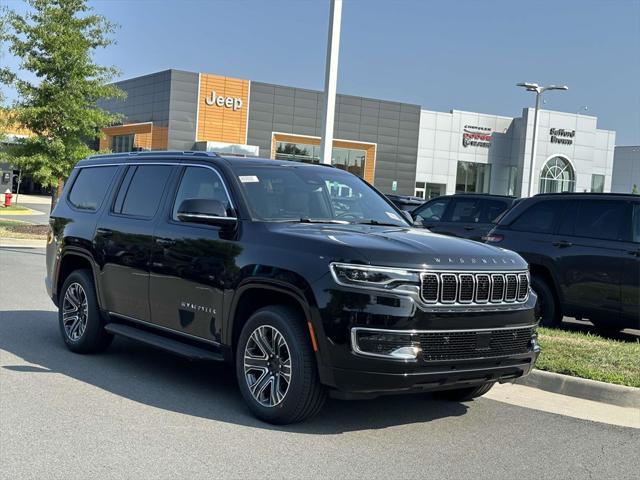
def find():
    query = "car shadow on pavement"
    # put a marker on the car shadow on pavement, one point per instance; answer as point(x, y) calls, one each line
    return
point(587, 327)
point(208, 390)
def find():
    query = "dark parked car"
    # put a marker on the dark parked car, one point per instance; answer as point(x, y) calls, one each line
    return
point(304, 277)
point(405, 202)
point(583, 252)
point(463, 215)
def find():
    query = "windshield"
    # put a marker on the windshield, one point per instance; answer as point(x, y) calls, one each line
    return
point(312, 194)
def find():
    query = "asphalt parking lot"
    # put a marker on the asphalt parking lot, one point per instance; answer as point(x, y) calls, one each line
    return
point(134, 412)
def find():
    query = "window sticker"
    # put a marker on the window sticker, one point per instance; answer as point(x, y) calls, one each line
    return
point(248, 179)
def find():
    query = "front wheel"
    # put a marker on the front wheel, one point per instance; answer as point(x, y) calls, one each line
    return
point(81, 323)
point(547, 310)
point(276, 367)
point(464, 394)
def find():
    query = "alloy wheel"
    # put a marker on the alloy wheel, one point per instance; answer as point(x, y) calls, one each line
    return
point(75, 311)
point(267, 365)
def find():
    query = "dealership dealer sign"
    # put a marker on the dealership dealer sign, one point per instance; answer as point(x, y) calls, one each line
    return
point(473, 136)
point(562, 136)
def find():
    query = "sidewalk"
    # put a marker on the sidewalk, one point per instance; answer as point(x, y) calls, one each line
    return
point(33, 199)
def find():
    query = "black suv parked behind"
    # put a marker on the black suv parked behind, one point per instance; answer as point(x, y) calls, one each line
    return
point(466, 215)
point(583, 252)
point(304, 277)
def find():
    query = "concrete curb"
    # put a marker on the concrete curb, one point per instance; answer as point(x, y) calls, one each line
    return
point(22, 243)
point(619, 395)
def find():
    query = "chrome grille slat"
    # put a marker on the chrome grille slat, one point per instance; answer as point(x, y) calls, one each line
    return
point(474, 288)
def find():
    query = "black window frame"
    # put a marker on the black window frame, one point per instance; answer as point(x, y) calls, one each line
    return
point(104, 196)
point(126, 178)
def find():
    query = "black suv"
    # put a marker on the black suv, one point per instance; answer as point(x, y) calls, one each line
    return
point(304, 277)
point(405, 202)
point(583, 250)
point(466, 215)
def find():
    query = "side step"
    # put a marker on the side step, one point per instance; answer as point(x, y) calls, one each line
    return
point(163, 343)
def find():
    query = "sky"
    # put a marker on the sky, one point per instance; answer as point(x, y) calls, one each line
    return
point(443, 55)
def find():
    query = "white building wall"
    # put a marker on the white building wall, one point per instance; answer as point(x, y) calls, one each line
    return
point(626, 169)
point(440, 148)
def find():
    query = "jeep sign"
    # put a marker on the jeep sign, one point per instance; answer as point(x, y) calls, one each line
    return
point(227, 102)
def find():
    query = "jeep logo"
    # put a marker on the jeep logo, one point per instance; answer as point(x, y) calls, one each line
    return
point(227, 102)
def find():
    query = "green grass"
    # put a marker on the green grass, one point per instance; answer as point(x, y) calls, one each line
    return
point(589, 356)
point(14, 209)
point(22, 230)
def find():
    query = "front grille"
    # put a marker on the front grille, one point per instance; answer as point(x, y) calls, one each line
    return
point(463, 345)
point(471, 288)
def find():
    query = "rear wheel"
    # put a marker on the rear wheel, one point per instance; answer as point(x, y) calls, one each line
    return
point(547, 310)
point(80, 320)
point(276, 367)
point(464, 394)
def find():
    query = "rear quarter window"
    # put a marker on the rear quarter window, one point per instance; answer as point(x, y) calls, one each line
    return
point(90, 187)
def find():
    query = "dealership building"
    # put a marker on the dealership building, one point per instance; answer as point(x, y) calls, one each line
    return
point(398, 147)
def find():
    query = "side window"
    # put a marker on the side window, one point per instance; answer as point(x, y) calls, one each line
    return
point(201, 183)
point(432, 211)
point(635, 230)
point(141, 190)
point(465, 210)
point(492, 209)
point(540, 217)
point(601, 219)
point(90, 187)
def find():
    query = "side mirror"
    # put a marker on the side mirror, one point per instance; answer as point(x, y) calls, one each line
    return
point(210, 212)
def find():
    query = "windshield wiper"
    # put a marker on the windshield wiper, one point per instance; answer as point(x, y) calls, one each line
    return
point(319, 220)
point(376, 222)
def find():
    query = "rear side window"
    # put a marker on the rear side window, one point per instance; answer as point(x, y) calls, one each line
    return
point(141, 190)
point(90, 187)
point(465, 210)
point(601, 219)
point(540, 217)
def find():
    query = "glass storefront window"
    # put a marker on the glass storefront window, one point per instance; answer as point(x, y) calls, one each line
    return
point(473, 177)
point(122, 143)
point(597, 183)
point(513, 180)
point(557, 176)
point(351, 160)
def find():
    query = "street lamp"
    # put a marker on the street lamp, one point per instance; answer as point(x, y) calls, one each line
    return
point(534, 87)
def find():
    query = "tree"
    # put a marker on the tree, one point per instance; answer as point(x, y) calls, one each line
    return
point(55, 41)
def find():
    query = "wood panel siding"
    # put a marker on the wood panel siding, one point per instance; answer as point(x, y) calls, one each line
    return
point(147, 136)
point(222, 123)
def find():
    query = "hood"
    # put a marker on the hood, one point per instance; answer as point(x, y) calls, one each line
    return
point(401, 247)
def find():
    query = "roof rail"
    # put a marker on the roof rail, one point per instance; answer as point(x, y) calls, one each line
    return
point(156, 153)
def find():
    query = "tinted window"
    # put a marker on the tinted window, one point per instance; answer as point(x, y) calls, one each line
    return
point(601, 219)
point(492, 209)
point(465, 210)
point(432, 211)
point(90, 187)
point(201, 183)
point(539, 218)
point(141, 190)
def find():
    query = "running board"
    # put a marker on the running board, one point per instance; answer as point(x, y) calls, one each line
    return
point(183, 349)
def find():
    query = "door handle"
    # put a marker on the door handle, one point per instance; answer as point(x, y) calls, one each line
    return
point(562, 244)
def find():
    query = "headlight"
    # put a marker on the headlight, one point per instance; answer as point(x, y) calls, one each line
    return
point(363, 276)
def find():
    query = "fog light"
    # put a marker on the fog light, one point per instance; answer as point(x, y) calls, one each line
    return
point(388, 344)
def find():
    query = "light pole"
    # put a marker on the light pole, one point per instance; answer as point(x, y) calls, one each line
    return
point(330, 81)
point(534, 87)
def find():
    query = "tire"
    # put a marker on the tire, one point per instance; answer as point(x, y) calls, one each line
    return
point(86, 333)
point(276, 399)
point(547, 309)
point(464, 394)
